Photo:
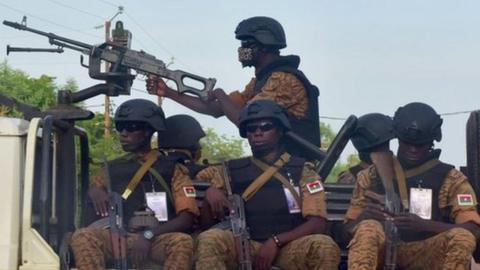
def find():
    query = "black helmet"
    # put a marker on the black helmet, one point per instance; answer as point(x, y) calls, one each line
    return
point(265, 30)
point(262, 109)
point(372, 130)
point(141, 110)
point(183, 131)
point(417, 123)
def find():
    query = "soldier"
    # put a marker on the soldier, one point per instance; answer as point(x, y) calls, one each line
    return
point(277, 78)
point(181, 140)
point(285, 204)
point(438, 230)
point(373, 130)
point(149, 183)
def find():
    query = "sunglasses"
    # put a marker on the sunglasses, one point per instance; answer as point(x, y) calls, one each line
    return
point(264, 126)
point(129, 126)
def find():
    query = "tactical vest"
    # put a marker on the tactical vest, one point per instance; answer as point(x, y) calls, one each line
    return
point(267, 211)
point(122, 171)
point(432, 179)
point(308, 127)
point(193, 168)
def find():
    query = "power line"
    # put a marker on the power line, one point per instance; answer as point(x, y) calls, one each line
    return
point(109, 3)
point(46, 20)
point(457, 113)
point(157, 42)
point(77, 9)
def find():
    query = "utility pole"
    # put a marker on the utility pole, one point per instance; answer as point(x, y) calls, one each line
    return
point(108, 121)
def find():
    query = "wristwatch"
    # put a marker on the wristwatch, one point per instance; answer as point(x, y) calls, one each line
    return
point(148, 234)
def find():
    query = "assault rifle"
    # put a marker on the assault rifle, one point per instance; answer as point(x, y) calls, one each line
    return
point(383, 162)
point(238, 224)
point(118, 233)
point(122, 60)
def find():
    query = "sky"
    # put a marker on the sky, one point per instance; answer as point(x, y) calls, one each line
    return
point(365, 56)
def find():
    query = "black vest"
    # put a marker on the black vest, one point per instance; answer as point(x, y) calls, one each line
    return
point(432, 179)
point(308, 127)
point(193, 168)
point(267, 211)
point(122, 171)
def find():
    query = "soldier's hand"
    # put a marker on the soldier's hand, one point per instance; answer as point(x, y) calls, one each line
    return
point(215, 94)
point(218, 202)
point(266, 256)
point(409, 222)
point(156, 86)
point(140, 251)
point(375, 211)
point(99, 197)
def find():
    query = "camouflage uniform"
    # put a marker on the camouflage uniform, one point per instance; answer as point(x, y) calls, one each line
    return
point(92, 246)
point(216, 250)
point(281, 87)
point(451, 249)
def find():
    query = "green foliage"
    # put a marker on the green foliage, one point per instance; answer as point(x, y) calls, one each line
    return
point(217, 148)
point(100, 147)
point(327, 136)
point(39, 92)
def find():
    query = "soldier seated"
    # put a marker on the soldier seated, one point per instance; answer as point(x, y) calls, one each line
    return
point(158, 198)
point(284, 199)
point(437, 231)
point(373, 130)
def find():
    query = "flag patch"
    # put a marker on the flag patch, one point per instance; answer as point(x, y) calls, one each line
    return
point(190, 191)
point(314, 187)
point(465, 199)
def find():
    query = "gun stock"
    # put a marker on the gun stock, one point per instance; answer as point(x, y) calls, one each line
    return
point(383, 162)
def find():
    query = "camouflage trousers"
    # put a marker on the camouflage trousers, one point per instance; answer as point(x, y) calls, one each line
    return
point(450, 250)
point(92, 247)
point(216, 251)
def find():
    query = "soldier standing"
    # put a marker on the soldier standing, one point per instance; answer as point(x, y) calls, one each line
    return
point(285, 204)
point(437, 232)
point(149, 183)
point(373, 130)
point(277, 78)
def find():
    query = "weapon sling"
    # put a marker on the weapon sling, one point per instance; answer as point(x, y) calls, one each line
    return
point(265, 176)
point(151, 158)
point(285, 182)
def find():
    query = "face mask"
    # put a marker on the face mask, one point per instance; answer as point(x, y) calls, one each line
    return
point(246, 56)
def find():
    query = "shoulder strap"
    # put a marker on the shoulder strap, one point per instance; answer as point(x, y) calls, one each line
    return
point(285, 182)
point(151, 158)
point(162, 182)
point(260, 181)
point(423, 168)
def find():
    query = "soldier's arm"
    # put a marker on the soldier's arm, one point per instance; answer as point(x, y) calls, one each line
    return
point(185, 204)
point(314, 207)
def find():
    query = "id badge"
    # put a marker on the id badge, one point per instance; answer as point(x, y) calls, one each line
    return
point(293, 206)
point(421, 202)
point(157, 201)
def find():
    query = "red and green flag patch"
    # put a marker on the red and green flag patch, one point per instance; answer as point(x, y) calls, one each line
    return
point(465, 199)
point(190, 191)
point(314, 187)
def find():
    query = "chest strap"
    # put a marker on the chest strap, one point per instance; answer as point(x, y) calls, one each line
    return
point(132, 185)
point(423, 168)
point(260, 181)
point(285, 182)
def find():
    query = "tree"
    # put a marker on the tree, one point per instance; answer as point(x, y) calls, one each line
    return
point(217, 148)
point(39, 92)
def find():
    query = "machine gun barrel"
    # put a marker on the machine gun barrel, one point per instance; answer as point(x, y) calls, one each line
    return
point(25, 49)
point(77, 45)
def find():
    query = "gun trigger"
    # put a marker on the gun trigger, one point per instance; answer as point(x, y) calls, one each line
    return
point(81, 62)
